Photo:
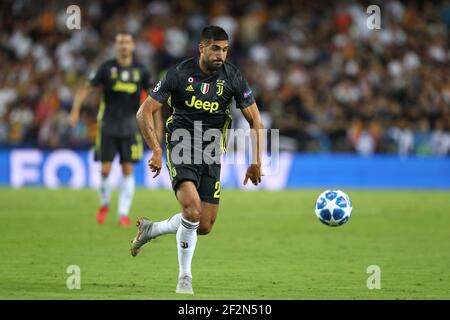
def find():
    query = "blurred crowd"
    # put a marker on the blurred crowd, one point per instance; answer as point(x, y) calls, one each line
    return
point(320, 75)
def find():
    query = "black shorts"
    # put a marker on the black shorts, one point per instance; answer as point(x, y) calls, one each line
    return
point(130, 149)
point(206, 177)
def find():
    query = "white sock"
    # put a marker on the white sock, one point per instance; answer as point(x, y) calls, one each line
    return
point(126, 195)
point(186, 241)
point(170, 225)
point(105, 191)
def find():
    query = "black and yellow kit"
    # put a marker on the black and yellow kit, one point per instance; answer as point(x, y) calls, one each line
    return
point(118, 130)
point(200, 102)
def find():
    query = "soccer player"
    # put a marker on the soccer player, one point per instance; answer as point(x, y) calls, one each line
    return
point(123, 80)
point(200, 91)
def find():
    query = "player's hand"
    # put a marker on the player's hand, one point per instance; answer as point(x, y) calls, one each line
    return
point(73, 119)
point(155, 163)
point(254, 174)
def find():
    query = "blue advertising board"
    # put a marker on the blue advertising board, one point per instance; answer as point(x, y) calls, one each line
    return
point(76, 169)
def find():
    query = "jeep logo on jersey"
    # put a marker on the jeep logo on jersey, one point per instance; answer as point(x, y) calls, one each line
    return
point(205, 105)
point(204, 88)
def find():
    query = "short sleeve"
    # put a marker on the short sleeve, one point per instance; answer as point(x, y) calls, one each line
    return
point(165, 87)
point(97, 77)
point(242, 92)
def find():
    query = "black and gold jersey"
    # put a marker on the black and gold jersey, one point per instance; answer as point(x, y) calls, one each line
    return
point(202, 98)
point(122, 87)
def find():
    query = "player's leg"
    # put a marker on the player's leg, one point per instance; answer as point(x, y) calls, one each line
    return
point(126, 193)
point(190, 203)
point(150, 230)
point(207, 217)
point(209, 192)
point(104, 192)
point(105, 150)
point(147, 229)
point(105, 185)
point(168, 226)
point(171, 225)
point(130, 151)
point(200, 204)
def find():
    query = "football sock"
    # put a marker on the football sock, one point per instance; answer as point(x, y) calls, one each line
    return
point(170, 225)
point(105, 191)
point(186, 241)
point(126, 194)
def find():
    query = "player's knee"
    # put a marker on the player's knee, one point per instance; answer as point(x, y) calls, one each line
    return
point(204, 229)
point(205, 226)
point(192, 211)
point(127, 169)
point(105, 172)
point(105, 169)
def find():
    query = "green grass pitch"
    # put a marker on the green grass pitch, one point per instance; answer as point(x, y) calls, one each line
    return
point(264, 245)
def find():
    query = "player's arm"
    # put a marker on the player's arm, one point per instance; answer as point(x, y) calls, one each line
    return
point(95, 79)
point(159, 126)
point(78, 100)
point(253, 117)
point(157, 116)
point(147, 119)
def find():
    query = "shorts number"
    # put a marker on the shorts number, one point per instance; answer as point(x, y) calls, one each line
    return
point(217, 188)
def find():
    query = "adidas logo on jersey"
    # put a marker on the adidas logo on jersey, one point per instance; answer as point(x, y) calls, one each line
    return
point(189, 88)
point(205, 105)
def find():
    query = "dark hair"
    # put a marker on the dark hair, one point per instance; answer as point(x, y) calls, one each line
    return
point(128, 33)
point(214, 33)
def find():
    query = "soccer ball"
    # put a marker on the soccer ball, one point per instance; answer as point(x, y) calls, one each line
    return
point(333, 208)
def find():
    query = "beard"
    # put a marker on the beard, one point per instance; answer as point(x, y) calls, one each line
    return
point(213, 65)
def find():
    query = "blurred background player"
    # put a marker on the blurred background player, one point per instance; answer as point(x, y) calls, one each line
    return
point(122, 80)
point(209, 83)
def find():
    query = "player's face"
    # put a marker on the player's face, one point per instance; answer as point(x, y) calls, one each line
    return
point(124, 45)
point(214, 54)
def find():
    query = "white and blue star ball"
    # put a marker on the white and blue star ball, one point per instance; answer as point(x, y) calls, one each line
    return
point(333, 208)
